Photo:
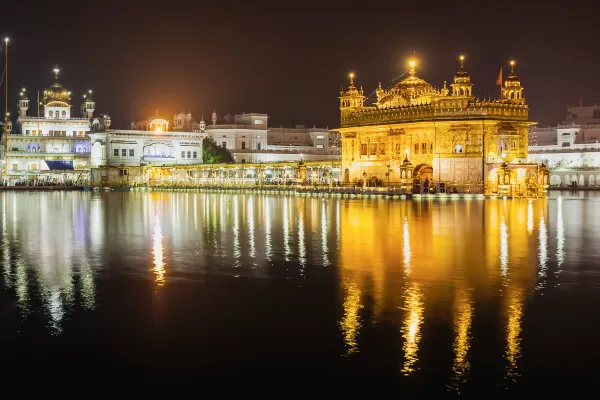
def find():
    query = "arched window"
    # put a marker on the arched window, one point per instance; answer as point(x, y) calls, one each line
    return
point(64, 114)
point(50, 114)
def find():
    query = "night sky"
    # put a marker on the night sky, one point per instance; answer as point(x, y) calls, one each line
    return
point(289, 59)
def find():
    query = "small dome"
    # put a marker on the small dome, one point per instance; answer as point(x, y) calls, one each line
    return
point(410, 91)
point(57, 95)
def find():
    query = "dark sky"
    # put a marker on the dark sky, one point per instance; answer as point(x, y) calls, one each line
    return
point(289, 60)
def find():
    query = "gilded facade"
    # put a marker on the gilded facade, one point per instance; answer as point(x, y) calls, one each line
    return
point(414, 131)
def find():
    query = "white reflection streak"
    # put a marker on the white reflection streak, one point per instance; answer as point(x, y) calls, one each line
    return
point(560, 235)
point(530, 216)
point(503, 248)
point(21, 285)
point(286, 231)
point(324, 236)
point(462, 343)
point(411, 328)
point(268, 246)
point(251, 227)
point(157, 251)
point(543, 252)
point(407, 252)
point(88, 289)
point(195, 200)
point(301, 245)
point(236, 234)
point(6, 265)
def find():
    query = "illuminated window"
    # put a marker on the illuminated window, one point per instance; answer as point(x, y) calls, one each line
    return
point(458, 148)
point(34, 166)
point(423, 148)
point(320, 137)
point(319, 146)
point(34, 132)
point(258, 122)
point(116, 152)
point(416, 148)
point(123, 152)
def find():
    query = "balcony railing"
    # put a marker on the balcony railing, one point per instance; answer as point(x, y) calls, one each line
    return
point(47, 154)
point(46, 137)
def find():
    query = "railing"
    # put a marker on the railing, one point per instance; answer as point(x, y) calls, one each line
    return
point(84, 137)
point(54, 119)
point(47, 154)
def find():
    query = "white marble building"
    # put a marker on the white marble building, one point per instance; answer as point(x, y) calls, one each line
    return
point(54, 140)
point(571, 150)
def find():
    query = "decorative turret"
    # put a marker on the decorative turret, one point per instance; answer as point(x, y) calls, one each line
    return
point(214, 118)
point(23, 104)
point(57, 100)
point(512, 90)
point(445, 90)
point(351, 98)
point(88, 106)
point(202, 125)
point(462, 85)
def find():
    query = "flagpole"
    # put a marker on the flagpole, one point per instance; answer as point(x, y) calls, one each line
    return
point(5, 135)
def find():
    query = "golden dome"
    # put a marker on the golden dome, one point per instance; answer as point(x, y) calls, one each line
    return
point(409, 91)
point(56, 95)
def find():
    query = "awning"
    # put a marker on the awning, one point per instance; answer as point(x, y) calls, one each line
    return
point(59, 165)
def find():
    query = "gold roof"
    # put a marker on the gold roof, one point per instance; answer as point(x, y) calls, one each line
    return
point(56, 95)
point(409, 91)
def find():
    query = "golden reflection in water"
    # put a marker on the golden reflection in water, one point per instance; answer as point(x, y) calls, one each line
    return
point(513, 331)
point(560, 234)
point(503, 248)
point(463, 317)
point(251, 242)
point(411, 328)
point(406, 248)
point(530, 216)
point(286, 231)
point(159, 265)
point(350, 322)
point(324, 235)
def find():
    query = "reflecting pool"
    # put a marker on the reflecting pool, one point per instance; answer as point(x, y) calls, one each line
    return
point(203, 291)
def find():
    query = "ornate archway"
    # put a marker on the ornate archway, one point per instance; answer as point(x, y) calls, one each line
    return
point(422, 172)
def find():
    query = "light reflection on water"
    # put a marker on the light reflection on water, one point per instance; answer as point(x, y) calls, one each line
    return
point(395, 269)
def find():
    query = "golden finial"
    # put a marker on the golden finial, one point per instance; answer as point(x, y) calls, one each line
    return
point(462, 61)
point(412, 64)
point(351, 78)
point(512, 66)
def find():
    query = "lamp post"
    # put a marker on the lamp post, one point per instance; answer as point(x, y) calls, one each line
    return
point(5, 134)
point(364, 179)
point(388, 176)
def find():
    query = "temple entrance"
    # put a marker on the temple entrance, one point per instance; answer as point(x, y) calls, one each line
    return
point(423, 172)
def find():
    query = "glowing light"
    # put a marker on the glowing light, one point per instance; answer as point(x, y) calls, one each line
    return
point(159, 265)
point(530, 216)
point(56, 70)
point(351, 75)
point(407, 252)
point(350, 323)
point(158, 129)
point(84, 96)
point(512, 63)
point(513, 332)
point(543, 252)
point(6, 40)
point(560, 234)
point(503, 248)
point(462, 342)
point(412, 63)
point(461, 58)
point(411, 329)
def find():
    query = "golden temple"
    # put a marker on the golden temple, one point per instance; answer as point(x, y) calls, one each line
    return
point(415, 133)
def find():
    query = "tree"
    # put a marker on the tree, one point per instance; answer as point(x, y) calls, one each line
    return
point(212, 153)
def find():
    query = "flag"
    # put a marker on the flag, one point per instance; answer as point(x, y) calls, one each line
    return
point(499, 80)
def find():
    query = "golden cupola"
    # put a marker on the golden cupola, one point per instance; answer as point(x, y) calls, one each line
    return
point(408, 92)
point(462, 85)
point(351, 98)
point(512, 90)
point(56, 95)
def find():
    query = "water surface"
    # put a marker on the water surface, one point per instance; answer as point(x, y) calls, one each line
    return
point(203, 291)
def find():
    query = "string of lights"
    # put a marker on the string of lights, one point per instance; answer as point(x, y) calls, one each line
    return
point(370, 96)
